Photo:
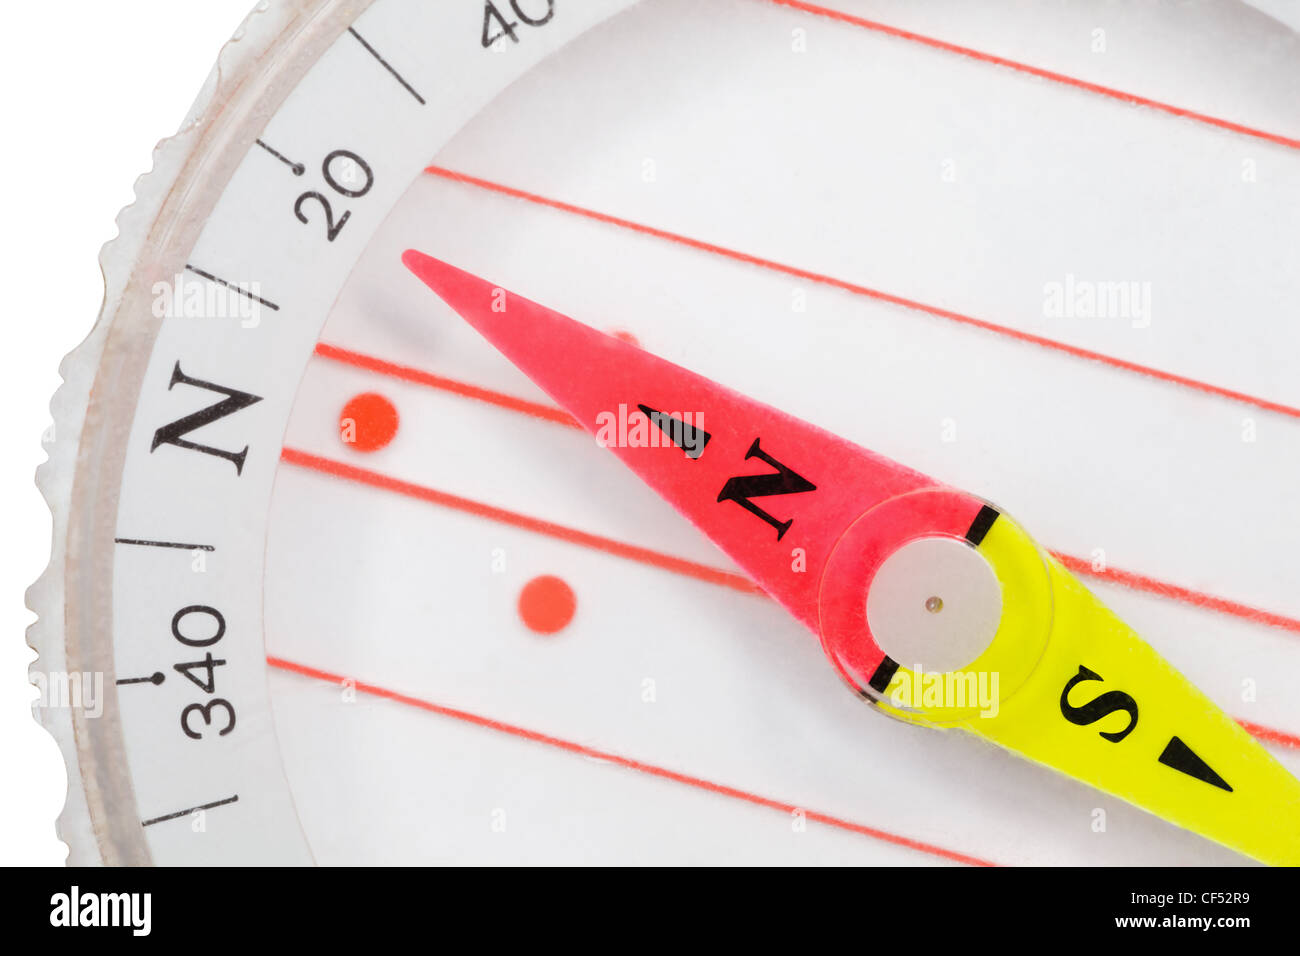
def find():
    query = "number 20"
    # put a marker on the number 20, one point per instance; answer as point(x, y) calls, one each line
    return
point(332, 227)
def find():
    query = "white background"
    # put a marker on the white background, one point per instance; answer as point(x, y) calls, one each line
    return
point(90, 88)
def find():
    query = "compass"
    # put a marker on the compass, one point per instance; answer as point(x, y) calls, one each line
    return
point(540, 431)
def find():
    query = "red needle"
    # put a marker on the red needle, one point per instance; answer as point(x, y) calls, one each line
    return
point(774, 492)
point(827, 527)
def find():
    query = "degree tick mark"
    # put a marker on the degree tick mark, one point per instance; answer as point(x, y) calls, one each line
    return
point(188, 810)
point(298, 168)
point(387, 66)
point(177, 545)
point(238, 289)
point(155, 678)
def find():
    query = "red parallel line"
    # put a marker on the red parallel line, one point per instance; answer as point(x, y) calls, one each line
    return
point(1200, 599)
point(701, 572)
point(417, 376)
point(1270, 735)
point(867, 292)
point(656, 559)
point(1078, 565)
point(653, 770)
point(1052, 75)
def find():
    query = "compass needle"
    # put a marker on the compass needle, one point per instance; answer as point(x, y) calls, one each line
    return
point(1042, 668)
point(738, 469)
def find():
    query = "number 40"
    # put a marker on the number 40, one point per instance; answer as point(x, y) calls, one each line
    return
point(493, 19)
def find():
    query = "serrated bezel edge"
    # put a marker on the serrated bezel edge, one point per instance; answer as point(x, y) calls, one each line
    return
point(71, 401)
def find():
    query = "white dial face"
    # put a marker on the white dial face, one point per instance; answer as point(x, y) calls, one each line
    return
point(375, 599)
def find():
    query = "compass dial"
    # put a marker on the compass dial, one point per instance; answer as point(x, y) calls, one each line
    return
point(502, 411)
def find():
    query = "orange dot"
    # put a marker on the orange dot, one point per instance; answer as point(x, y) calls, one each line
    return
point(623, 335)
point(368, 422)
point(546, 604)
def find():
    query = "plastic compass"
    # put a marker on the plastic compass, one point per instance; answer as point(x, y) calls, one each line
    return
point(511, 426)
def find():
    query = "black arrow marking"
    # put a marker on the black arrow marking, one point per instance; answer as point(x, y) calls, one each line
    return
point(1183, 759)
point(685, 436)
